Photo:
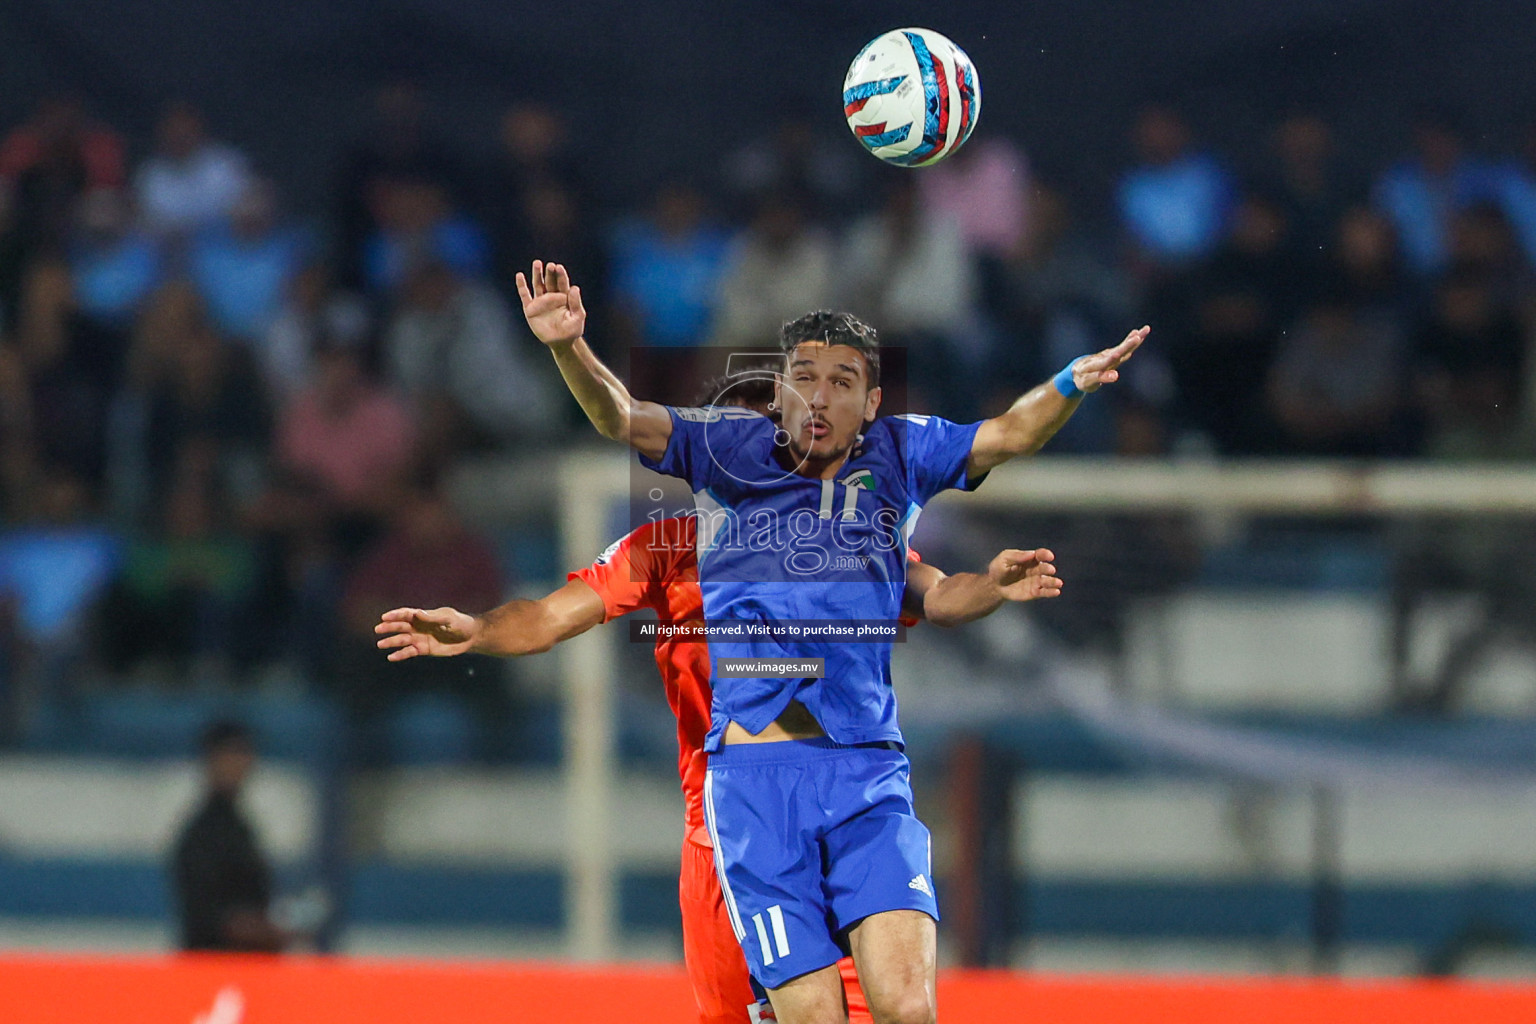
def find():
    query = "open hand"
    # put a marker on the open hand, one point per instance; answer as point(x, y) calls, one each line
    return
point(1091, 372)
point(553, 306)
point(439, 632)
point(1025, 575)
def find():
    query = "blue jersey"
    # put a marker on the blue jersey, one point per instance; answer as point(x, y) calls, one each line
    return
point(774, 547)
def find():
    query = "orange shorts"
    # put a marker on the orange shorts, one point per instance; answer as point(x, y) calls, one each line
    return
point(717, 969)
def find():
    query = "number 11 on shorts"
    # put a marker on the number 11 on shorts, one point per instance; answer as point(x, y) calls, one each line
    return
point(780, 937)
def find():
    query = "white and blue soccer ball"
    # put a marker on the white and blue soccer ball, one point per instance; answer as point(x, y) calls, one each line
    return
point(912, 97)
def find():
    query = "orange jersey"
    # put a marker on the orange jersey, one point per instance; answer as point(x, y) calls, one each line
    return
point(654, 567)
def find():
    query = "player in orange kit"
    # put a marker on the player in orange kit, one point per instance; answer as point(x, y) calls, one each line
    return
point(654, 567)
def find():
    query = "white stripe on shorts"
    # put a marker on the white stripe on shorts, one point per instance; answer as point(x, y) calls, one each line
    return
point(714, 837)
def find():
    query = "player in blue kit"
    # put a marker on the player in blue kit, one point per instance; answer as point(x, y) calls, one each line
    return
point(804, 523)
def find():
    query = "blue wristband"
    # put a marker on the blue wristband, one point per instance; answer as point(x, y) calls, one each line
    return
point(1065, 384)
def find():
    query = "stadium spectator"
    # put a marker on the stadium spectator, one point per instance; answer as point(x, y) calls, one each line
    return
point(168, 317)
point(1057, 296)
point(65, 375)
point(535, 145)
point(398, 145)
point(342, 450)
point(904, 270)
point(346, 438)
point(427, 558)
point(778, 267)
point(986, 188)
point(311, 310)
point(416, 222)
point(667, 267)
point(58, 135)
point(206, 405)
point(1337, 386)
point(451, 348)
point(553, 220)
point(222, 882)
point(46, 164)
point(535, 198)
point(1421, 193)
point(56, 561)
point(1470, 362)
point(191, 181)
point(1365, 263)
point(116, 265)
point(242, 265)
point(1309, 185)
point(1174, 202)
point(1240, 301)
point(1481, 240)
point(794, 157)
point(192, 569)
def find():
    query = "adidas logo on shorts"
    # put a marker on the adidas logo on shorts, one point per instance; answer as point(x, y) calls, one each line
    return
point(921, 885)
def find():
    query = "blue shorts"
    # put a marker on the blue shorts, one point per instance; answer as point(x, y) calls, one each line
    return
point(811, 837)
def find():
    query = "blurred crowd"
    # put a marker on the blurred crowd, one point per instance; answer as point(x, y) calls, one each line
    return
point(224, 421)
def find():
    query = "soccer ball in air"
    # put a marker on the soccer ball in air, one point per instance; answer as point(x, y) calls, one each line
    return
point(912, 97)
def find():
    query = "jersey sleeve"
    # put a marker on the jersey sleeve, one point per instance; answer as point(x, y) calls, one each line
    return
point(628, 575)
point(703, 439)
point(936, 453)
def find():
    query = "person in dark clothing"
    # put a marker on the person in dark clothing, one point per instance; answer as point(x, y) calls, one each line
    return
point(400, 146)
point(1240, 301)
point(222, 882)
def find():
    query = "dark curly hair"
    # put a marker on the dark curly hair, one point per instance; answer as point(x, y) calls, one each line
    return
point(835, 329)
point(752, 390)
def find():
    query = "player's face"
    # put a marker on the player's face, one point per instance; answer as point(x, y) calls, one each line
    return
point(825, 400)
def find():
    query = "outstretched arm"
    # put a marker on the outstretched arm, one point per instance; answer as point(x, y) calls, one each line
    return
point(553, 309)
point(517, 627)
point(954, 600)
point(1035, 418)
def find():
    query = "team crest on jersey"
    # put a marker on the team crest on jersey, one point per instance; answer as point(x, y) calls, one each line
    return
point(863, 480)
